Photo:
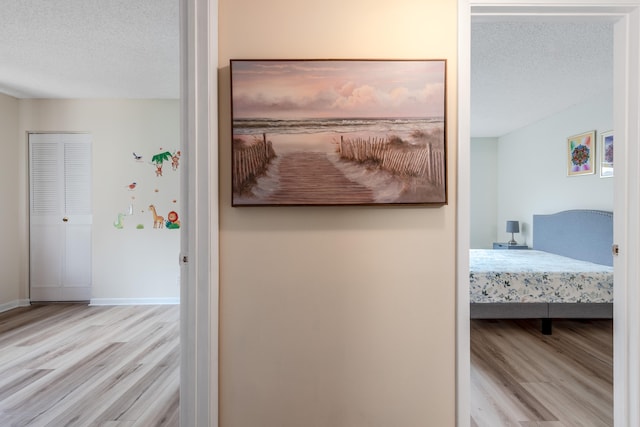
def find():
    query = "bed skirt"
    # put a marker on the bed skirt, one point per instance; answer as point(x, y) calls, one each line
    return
point(541, 310)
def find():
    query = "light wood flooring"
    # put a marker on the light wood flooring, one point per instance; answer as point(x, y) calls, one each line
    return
point(522, 378)
point(75, 365)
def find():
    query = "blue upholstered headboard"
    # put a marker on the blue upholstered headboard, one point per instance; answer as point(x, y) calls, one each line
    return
point(581, 234)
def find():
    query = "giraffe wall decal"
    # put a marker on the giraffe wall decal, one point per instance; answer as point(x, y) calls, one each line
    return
point(158, 221)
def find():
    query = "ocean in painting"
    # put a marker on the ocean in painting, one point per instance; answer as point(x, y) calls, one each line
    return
point(323, 134)
point(347, 127)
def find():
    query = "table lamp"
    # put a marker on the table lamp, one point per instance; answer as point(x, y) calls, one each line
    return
point(513, 227)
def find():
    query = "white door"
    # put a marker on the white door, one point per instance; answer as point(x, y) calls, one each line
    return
point(60, 217)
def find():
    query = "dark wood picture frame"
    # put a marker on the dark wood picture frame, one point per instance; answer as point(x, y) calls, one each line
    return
point(338, 132)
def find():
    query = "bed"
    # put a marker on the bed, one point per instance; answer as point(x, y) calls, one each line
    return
point(567, 274)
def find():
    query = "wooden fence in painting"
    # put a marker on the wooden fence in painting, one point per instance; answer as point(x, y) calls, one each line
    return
point(250, 161)
point(419, 161)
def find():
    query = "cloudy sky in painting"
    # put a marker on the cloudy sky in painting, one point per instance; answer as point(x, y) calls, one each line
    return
point(329, 89)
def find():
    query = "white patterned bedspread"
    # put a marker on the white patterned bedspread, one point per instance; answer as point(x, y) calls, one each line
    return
point(536, 276)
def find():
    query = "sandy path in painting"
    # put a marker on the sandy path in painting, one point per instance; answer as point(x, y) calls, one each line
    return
point(310, 178)
point(381, 186)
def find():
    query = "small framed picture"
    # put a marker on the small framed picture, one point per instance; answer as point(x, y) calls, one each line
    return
point(581, 153)
point(606, 154)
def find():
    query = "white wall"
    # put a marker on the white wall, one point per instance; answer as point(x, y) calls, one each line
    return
point(10, 281)
point(128, 263)
point(532, 168)
point(337, 316)
point(484, 192)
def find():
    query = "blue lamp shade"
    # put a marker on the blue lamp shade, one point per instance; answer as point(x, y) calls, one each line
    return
point(513, 227)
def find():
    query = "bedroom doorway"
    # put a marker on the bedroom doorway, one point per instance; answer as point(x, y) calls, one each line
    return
point(519, 59)
point(626, 49)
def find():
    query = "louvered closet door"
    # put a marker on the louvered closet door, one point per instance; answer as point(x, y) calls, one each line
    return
point(60, 217)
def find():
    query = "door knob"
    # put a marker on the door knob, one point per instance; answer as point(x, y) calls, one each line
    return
point(65, 219)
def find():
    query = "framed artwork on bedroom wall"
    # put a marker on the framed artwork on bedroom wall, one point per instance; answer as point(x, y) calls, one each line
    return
point(581, 153)
point(606, 154)
point(327, 132)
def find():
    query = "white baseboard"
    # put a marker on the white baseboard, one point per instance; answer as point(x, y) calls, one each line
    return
point(134, 301)
point(13, 304)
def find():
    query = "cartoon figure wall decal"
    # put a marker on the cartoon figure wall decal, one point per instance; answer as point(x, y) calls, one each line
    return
point(119, 223)
point(175, 160)
point(158, 221)
point(160, 158)
point(137, 157)
point(172, 220)
point(132, 186)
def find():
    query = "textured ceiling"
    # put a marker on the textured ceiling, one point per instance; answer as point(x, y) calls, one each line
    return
point(89, 48)
point(522, 72)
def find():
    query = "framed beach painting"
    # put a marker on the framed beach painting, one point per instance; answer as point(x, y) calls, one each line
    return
point(338, 132)
point(580, 153)
point(606, 154)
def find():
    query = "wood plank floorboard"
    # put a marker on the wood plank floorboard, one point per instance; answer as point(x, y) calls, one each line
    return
point(75, 365)
point(522, 378)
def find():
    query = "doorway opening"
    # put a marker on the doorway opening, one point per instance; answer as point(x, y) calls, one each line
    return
point(625, 124)
point(534, 83)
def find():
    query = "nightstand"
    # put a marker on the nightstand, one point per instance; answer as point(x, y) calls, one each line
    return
point(497, 245)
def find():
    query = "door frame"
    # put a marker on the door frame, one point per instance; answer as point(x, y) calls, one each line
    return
point(626, 193)
point(199, 238)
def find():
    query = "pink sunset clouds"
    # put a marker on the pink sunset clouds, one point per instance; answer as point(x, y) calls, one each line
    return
point(315, 89)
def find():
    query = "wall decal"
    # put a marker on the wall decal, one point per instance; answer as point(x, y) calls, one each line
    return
point(158, 221)
point(159, 159)
point(119, 223)
point(172, 220)
point(175, 160)
point(130, 212)
point(137, 188)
